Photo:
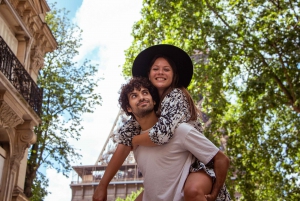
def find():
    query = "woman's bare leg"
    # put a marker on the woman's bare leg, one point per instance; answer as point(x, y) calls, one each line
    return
point(197, 185)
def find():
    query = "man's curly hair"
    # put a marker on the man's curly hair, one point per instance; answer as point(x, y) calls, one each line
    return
point(137, 83)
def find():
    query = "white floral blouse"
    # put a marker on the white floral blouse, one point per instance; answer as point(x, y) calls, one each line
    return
point(174, 110)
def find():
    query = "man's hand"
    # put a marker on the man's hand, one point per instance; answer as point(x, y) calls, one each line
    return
point(112, 168)
point(211, 197)
point(221, 165)
point(100, 193)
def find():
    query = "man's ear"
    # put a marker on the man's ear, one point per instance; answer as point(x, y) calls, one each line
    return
point(129, 109)
point(154, 103)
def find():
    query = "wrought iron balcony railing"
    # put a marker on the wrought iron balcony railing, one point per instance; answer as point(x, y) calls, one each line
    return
point(15, 72)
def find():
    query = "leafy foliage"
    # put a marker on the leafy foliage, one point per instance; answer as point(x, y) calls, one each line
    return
point(39, 188)
point(68, 94)
point(132, 196)
point(247, 66)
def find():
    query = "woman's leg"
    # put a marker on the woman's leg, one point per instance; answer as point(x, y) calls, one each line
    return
point(197, 185)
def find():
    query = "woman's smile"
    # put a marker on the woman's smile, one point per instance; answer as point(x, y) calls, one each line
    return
point(161, 74)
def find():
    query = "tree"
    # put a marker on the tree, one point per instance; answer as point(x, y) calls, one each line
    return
point(247, 67)
point(69, 92)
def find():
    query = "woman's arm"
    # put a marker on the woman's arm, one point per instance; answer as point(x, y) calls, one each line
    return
point(174, 110)
point(142, 140)
point(130, 129)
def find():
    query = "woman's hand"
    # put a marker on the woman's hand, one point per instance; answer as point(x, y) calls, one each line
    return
point(142, 140)
point(135, 142)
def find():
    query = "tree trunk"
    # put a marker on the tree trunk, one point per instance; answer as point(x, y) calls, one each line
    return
point(31, 171)
point(30, 176)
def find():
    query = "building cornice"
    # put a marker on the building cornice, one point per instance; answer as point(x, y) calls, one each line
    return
point(31, 18)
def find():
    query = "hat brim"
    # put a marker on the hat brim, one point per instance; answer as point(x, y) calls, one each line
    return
point(184, 65)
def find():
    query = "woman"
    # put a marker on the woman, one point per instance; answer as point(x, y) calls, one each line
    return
point(170, 70)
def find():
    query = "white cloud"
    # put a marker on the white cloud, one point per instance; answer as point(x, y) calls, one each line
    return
point(59, 186)
point(106, 25)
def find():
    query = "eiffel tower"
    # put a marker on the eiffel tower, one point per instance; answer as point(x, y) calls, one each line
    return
point(86, 177)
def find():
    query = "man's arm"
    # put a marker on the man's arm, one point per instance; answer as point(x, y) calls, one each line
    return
point(139, 197)
point(113, 166)
point(204, 150)
point(221, 165)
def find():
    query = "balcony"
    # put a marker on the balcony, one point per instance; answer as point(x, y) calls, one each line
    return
point(89, 174)
point(15, 72)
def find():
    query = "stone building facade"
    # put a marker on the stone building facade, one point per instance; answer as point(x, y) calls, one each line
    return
point(24, 40)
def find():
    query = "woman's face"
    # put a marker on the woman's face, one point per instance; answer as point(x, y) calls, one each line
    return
point(161, 74)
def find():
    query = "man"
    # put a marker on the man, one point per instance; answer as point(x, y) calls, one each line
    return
point(165, 168)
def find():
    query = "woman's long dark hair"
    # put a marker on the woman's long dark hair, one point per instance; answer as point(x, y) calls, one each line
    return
point(175, 84)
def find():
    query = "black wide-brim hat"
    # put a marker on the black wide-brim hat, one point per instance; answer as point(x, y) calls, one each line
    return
point(183, 62)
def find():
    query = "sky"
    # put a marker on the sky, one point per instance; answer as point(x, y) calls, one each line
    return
point(106, 25)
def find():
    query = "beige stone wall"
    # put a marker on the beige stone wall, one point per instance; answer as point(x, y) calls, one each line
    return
point(23, 28)
point(8, 36)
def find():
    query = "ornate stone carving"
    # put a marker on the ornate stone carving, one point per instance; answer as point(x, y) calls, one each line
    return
point(37, 59)
point(24, 137)
point(8, 118)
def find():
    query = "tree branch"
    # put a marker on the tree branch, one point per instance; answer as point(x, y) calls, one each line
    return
point(278, 81)
point(290, 84)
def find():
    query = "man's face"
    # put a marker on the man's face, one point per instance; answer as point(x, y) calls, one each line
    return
point(141, 102)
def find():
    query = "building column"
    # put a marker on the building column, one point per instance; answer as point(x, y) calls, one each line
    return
point(11, 180)
point(8, 121)
point(22, 46)
point(24, 138)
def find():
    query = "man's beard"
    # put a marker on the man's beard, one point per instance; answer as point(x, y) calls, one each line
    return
point(144, 112)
